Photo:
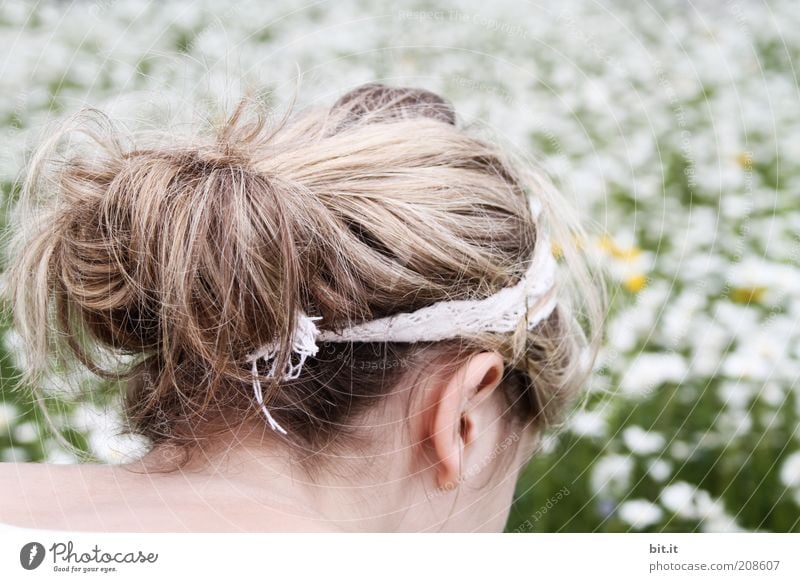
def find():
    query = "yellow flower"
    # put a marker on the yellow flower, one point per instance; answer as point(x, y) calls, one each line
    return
point(608, 245)
point(745, 160)
point(747, 294)
point(635, 283)
point(556, 249)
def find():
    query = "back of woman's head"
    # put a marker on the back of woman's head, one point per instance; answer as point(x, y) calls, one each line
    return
point(188, 255)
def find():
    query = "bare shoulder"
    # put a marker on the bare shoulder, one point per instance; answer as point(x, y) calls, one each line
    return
point(46, 495)
point(114, 498)
point(26, 489)
point(92, 497)
point(18, 480)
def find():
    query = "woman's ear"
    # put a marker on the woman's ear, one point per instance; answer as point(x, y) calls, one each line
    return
point(462, 411)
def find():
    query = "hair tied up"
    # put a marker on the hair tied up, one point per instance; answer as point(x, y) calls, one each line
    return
point(184, 256)
point(377, 103)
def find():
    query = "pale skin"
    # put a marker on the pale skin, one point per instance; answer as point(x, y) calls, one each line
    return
point(458, 474)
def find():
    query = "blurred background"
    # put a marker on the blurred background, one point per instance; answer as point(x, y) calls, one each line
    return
point(674, 125)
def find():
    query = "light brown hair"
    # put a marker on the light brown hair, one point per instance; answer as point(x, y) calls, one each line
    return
point(185, 256)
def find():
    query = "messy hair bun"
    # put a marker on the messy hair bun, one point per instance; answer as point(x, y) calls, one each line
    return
point(186, 256)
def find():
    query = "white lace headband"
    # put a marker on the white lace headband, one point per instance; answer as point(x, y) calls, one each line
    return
point(502, 312)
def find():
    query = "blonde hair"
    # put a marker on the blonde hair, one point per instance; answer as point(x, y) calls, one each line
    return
point(185, 256)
